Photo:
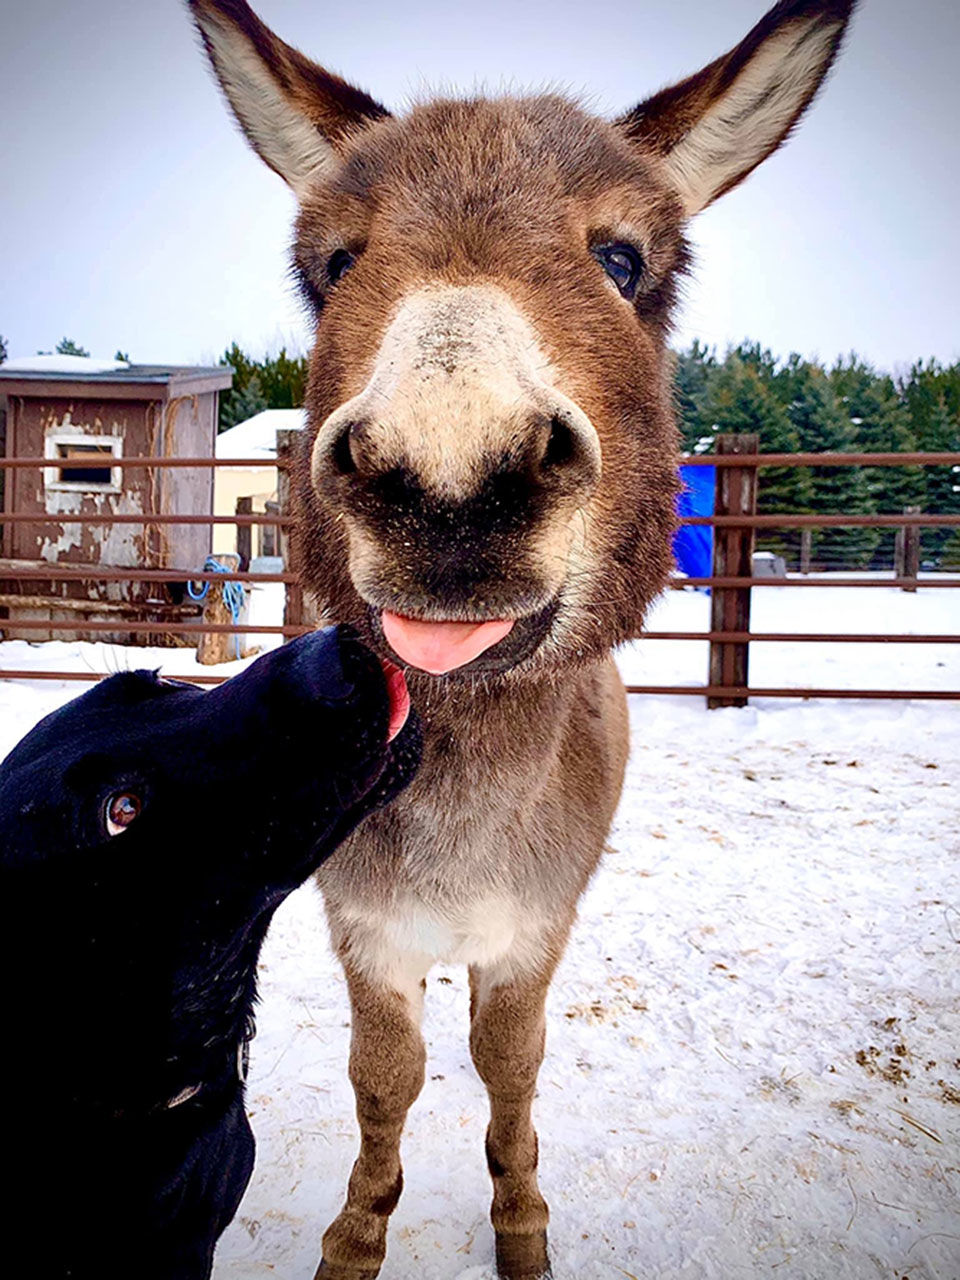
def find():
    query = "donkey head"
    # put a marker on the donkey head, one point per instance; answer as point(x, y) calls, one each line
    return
point(492, 463)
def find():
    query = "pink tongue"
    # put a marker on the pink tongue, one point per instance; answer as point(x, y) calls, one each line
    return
point(399, 698)
point(439, 647)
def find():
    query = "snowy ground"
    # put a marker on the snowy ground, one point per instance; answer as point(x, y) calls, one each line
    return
point(752, 1065)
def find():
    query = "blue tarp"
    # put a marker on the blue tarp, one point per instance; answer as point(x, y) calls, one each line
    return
point(693, 547)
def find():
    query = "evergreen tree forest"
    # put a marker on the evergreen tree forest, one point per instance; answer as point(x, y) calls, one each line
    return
point(801, 406)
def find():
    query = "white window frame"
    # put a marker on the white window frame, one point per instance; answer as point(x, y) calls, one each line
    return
point(51, 475)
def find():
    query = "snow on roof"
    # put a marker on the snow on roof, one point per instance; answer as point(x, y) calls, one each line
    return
point(62, 364)
point(257, 437)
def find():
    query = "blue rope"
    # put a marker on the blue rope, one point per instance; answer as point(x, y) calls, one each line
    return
point(233, 596)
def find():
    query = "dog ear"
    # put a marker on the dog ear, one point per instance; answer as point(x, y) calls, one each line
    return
point(715, 127)
point(291, 110)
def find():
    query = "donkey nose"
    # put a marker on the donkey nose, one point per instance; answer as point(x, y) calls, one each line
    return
point(554, 447)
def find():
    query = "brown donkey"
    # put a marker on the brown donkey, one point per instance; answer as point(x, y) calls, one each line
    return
point(487, 491)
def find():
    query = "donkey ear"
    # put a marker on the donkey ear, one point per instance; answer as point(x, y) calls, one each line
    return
point(292, 111)
point(714, 128)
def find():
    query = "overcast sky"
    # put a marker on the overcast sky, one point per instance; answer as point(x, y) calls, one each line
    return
point(133, 215)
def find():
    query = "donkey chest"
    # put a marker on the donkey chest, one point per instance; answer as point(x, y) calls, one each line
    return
point(476, 932)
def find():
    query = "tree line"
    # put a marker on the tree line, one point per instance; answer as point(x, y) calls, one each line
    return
point(800, 406)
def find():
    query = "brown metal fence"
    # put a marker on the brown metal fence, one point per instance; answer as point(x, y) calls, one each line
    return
point(734, 521)
point(732, 581)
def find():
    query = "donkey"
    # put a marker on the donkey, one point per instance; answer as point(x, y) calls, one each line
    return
point(487, 494)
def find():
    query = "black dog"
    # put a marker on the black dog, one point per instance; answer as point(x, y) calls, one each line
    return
point(148, 831)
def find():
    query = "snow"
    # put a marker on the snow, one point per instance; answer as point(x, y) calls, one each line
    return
point(752, 1049)
point(62, 364)
point(257, 437)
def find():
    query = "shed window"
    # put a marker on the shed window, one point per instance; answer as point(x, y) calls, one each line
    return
point(83, 467)
point(83, 464)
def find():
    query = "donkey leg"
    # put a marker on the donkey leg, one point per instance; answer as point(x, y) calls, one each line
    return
point(507, 1030)
point(387, 1058)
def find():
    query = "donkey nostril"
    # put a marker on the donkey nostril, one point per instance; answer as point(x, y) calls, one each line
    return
point(561, 445)
point(341, 452)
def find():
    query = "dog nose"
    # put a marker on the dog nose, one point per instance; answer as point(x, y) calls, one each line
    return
point(314, 663)
point(308, 669)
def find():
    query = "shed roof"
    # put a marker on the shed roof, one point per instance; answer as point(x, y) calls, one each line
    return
point(86, 376)
point(257, 437)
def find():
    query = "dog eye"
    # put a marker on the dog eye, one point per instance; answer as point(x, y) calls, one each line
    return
point(120, 810)
point(623, 264)
point(339, 264)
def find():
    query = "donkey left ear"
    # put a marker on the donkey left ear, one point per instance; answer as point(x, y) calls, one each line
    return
point(714, 128)
point(292, 111)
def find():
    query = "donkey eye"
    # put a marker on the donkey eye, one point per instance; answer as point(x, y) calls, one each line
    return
point(623, 264)
point(120, 810)
point(339, 264)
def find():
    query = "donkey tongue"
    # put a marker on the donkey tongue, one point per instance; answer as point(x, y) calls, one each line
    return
point(439, 647)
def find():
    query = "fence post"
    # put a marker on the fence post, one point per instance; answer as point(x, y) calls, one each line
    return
point(244, 533)
point(299, 610)
point(736, 495)
point(911, 547)
point(806, 549)
point(269, 533)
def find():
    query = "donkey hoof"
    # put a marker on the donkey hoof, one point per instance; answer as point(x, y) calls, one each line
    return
point(523, 1257)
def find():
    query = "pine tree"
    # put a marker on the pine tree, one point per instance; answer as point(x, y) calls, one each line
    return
point(3, 348)
point(881, 423)
point(244, 403)
point(276, 382)
point(950, 551)
point(738, 400)
point(932, 396)
point(693, 371)
point(822, 427)
point(284, 380)
point(760, 359)
point(67, 347)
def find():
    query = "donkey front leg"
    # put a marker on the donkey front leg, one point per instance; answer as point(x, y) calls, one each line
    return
point(387, 1059)
point(507, 1030)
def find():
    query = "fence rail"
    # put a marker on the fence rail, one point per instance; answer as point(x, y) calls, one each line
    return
point(732, 581)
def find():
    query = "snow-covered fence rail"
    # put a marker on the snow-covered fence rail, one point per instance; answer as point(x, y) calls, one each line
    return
point(732, 581)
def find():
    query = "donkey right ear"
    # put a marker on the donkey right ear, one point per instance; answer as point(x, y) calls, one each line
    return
point(712, 129)
point(291, 110)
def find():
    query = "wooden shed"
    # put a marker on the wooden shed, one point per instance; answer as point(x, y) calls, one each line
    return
point(80, 416)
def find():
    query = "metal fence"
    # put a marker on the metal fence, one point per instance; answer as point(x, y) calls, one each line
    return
point(731, 582)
